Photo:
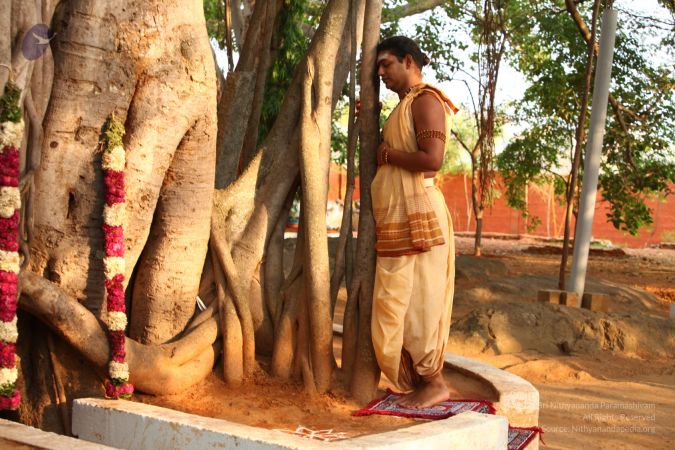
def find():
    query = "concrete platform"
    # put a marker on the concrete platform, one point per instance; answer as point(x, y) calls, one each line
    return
point(149, 427)
point(15, 436)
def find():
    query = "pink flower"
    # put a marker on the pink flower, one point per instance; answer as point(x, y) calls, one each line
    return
point(116, 391)
point(7, 355)
point(114, 186)
point(8, 277)
point(7, 309)
point(10, 402)
point(9, 181)
point(117, 341)
point(9, 233)
point(9, 163)
point(114, 240)
point(8, 288)
point(116, 300)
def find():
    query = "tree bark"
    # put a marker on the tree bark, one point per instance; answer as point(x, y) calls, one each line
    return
point(315, 133)
point(358, 356)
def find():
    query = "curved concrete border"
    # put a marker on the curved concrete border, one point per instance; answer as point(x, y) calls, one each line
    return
point(152, 427)
point(137, 426)
point(518, 399)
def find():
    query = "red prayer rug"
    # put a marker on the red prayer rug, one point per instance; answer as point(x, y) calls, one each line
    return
point(443, 410)
point(518, 437)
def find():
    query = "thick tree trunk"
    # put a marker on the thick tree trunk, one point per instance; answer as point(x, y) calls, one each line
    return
point(315, 134)
point(170, 121)
point(108, 58)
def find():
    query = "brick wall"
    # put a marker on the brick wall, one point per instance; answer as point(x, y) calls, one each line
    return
point(541, 203)
point(502, 219)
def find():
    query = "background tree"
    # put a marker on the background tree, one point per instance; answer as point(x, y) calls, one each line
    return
point(638, 146)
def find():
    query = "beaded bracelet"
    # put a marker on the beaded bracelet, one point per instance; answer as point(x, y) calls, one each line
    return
point(385, 155)
point(430, 134)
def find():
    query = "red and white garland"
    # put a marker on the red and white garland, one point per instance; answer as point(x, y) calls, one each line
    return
point(11, 135)
point(113, 229)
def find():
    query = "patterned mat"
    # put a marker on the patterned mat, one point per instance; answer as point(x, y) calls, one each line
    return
point(443, 410)
point(518, 437)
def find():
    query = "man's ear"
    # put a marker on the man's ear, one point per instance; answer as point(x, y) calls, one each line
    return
point(408, 61)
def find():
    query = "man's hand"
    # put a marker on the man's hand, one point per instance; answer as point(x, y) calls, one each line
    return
point(380, 153)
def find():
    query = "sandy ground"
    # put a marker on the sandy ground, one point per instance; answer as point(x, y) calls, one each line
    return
point(612, 384)
point(606, 380)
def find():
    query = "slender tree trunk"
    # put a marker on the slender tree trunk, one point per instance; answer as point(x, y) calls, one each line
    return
point(580, 137)
point(358, 357)
point(356, 12)
point(476, 200)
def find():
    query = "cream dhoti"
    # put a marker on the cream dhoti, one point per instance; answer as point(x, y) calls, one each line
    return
point(412, 305)
point(414, 273)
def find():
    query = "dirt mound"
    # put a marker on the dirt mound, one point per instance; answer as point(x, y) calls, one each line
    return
point(555, 250)
point(559, 330)
point(550, 370)
point(479, 267)
point(483, 289)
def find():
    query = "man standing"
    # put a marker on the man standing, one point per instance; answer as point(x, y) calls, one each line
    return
point(414, 274)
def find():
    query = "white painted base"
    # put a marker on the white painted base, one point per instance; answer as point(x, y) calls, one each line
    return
point(24, 435)
point(137, 426)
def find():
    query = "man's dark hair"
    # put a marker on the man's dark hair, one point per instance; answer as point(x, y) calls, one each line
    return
point(401, 46)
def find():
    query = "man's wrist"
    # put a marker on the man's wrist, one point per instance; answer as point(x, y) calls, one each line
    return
point(384, 154)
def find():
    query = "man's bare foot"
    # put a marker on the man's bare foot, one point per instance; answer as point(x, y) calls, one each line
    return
point(429, 393)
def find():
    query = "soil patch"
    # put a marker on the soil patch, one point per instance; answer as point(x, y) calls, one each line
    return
point(274, 404)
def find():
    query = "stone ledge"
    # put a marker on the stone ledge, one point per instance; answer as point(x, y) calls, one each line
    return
point(152, 427)
point(518, 399)
point(24, 435)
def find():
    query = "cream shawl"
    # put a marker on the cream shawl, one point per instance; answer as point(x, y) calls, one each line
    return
point(405, 222)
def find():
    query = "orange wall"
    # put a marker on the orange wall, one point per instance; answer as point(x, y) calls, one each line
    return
point(502, 219)
point(338, 184)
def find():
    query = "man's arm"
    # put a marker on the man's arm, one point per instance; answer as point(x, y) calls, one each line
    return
point(428, 115)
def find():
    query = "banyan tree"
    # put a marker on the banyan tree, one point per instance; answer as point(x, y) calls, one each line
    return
point(205, 201)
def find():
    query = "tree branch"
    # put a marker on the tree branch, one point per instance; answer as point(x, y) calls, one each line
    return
point(616, 106)
point(154, 369)
point(409, 9)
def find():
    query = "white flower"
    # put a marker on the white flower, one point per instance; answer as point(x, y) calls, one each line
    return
point(112, 265)
point(114, 215)
point(10, 201)
point(118, 371)
point(9, 261)
point(117, 321)
point(8, 376)
point(11, 133)
point(8, 331)
point(113, 159)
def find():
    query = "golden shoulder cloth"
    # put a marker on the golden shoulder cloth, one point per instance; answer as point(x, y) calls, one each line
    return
point(414, 277)
point(405, 222)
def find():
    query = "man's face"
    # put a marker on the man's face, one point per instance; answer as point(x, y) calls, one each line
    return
point(391, 71)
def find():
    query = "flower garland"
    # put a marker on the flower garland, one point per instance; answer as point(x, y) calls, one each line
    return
point(113, 230)
point(11, 135)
